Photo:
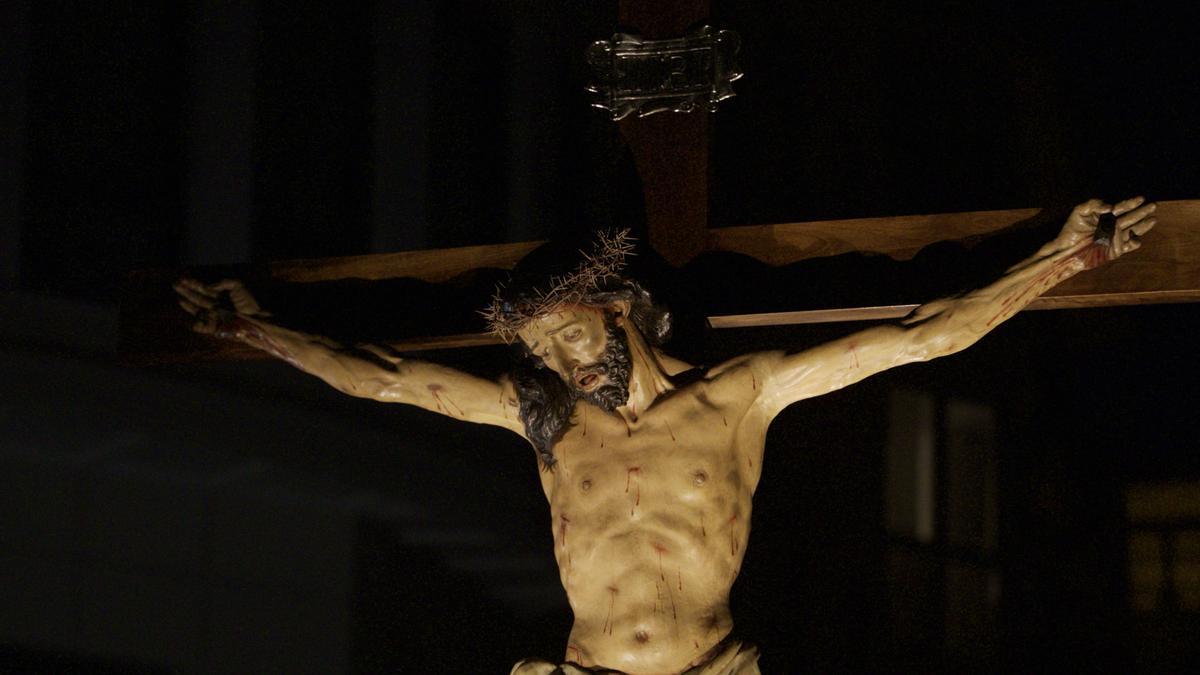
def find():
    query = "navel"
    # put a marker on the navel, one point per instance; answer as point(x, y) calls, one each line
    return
point(699, 478)
point(585, 484)
point(641, 636)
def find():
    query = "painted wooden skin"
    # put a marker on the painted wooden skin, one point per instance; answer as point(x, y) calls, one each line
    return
point(650, 504)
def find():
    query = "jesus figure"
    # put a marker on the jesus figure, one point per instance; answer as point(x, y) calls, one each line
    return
point(650, 464)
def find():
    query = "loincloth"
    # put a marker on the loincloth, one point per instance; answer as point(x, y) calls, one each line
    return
point(734, 658)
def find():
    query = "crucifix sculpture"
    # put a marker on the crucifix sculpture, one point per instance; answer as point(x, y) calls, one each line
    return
point(650, 464)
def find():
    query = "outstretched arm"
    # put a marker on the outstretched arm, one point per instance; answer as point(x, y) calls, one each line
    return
point(228, 310)
point(946, 326)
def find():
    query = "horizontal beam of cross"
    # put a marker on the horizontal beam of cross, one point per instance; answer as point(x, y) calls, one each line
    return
point(1166, 269)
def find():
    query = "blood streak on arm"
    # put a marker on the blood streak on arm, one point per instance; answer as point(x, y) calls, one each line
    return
point(670, 432)
point(1092, 256)
point(1033, 287)
point(853, 349)
point(1096, 255)
point(264, 341)
point(436, 390)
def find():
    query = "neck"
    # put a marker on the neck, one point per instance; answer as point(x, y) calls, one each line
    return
point(648, 379)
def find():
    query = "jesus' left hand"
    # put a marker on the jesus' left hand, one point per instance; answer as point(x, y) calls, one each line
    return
point(1134, 217)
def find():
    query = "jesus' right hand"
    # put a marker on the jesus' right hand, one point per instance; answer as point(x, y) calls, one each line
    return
point(217, 307)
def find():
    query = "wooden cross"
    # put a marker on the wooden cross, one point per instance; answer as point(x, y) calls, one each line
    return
point(671, 155)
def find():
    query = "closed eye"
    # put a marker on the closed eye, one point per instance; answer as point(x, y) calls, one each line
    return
point(572, 335)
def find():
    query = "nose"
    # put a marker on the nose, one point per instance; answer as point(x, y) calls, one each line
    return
point(556, 358)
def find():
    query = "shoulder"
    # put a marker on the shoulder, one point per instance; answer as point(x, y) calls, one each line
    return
point(757, 363)
point(740, 381)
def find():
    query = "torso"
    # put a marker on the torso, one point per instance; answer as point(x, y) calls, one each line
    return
point(651, 521)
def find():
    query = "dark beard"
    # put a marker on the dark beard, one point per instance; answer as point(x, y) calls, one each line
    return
point(616, 364)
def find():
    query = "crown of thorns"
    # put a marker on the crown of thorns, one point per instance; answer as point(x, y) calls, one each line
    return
point(505, 317)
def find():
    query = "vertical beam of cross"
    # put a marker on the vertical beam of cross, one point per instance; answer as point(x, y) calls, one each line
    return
point(670, 150)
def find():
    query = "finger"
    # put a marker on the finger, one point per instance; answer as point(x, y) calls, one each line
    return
point(181, 284)
point(1128, 205)
point(1143, 227)
point(188, 307)
point(195, 297)
point(1132, 246)
point(244, 304)
point(197, 287)
point(1118, 249)
point(228, 285)
point(1135, 215)
point(1092, 207)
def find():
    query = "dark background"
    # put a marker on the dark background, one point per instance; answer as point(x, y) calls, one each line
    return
point(235, 517)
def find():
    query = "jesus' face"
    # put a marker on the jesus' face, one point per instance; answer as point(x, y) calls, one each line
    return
point(587, 349)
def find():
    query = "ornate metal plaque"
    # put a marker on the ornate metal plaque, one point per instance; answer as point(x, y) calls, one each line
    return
point(648, 76)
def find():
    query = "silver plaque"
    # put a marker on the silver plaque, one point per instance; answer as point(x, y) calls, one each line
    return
point(648, 76)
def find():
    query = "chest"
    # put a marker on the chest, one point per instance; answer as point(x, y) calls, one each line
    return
point(685, 450)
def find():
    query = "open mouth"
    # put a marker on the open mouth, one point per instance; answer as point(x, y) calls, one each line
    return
point(587, 380)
